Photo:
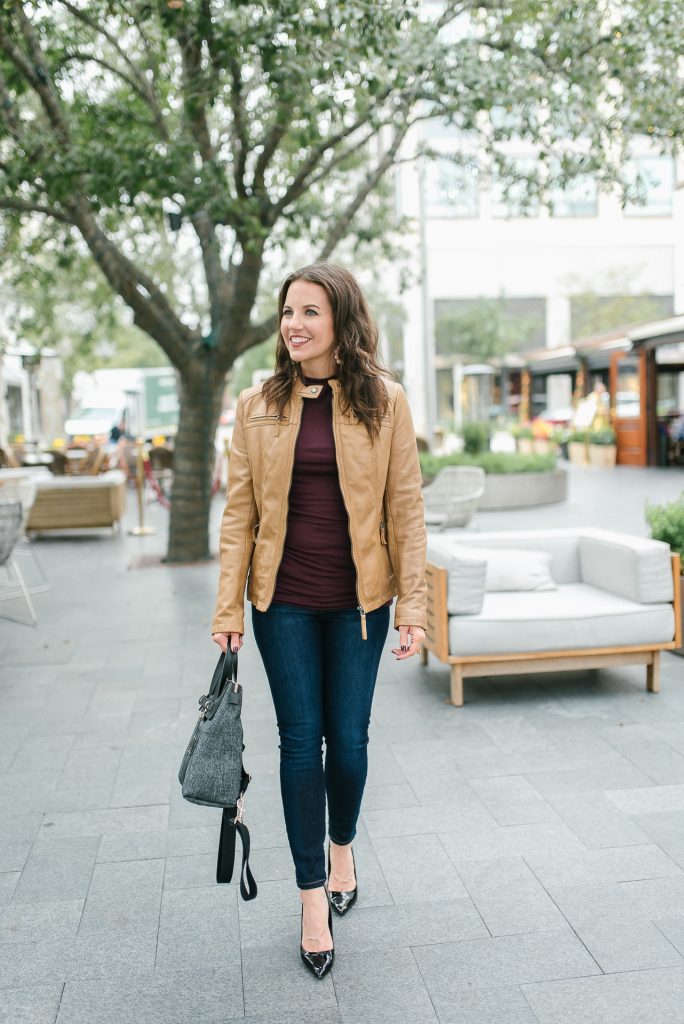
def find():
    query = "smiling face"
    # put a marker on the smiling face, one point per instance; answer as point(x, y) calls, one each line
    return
point(308, 330)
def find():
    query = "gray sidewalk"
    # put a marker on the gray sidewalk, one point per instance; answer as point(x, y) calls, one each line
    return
point(521, 859)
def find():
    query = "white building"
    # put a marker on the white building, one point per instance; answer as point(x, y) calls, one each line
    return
point(541, 268)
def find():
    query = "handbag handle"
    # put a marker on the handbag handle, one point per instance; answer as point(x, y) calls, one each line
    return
point(227, 668)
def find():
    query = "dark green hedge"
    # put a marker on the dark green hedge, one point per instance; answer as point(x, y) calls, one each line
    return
point(491, 462)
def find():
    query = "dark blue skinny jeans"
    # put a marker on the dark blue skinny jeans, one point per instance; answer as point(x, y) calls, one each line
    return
point(322, 677)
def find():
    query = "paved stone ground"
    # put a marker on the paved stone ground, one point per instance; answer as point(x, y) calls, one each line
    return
point(521, 860)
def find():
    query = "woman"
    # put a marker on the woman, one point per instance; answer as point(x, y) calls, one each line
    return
point(325, 513)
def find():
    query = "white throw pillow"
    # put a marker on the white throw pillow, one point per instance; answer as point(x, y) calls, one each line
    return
point(514, 569)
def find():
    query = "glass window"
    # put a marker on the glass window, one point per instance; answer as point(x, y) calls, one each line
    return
point(627, 393)
point(451, 190)
point(579, 198)
point(510, 198)
point(649, 186)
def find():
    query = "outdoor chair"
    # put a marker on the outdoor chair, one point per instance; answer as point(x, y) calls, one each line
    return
point(452, 497)
point(23, 489)
point(11, 589)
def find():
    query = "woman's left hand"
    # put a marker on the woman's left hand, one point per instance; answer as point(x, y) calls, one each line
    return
point(410, 639)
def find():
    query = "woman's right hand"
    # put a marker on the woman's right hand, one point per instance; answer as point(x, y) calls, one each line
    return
point(223, 639)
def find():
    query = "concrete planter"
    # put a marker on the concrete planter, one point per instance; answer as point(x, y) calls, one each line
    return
point(523, 490)
point(602, 455)
point(577, 450)
point(542, 446)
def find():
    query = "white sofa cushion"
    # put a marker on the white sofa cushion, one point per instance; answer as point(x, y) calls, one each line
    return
point(466, 573)
point(573, 617)
point(634, 567)
point(510, 569)
point(562, 545)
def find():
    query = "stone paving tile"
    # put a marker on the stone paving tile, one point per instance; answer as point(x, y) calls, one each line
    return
point(22, 922)
point(8, 883)
point(41, 753)
point(597, 822)
point(509, 897)
point(58, 868)
point(580, 780)
point(163, 999)
point(501, 961)
point(622, 864)
point(435, 879)
point(540, 838)
point(657, 897)
point(615, 930)
point(647, 800)
point(32, 1004)
point(512, 800)
point(628, 998)
point(198, 928)
point(287, 985)
point(110, 821)
point(502, 1005)
point(392, 992)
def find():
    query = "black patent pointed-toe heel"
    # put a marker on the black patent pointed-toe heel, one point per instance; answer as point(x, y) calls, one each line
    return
point(318, 963)
point(343, 901)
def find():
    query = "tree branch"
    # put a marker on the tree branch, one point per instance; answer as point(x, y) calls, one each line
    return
point(143, 88)
point(260, 332)
point(241, 139)
point(341, 225)
point(144, 94)
point(24, 206)
point(193, 94)
point(151, 309)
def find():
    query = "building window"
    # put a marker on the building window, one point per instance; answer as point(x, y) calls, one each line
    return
point(451, 189)
point(579, 198)
point(592, 314)
point(513, 190)
point(482, 329)
point(649, 187)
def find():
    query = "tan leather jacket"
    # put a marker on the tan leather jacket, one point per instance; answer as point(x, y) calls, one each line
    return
point(381, 487)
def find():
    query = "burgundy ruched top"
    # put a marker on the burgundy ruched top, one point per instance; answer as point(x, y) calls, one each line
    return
point(317, 569)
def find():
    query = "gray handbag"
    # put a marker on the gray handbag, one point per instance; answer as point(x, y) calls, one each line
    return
point(212, 772)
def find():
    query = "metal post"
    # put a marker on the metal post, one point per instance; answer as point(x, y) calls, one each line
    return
point(427, 315)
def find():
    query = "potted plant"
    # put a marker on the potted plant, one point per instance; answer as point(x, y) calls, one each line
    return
point(666, 523)
point(522, 432)
point(543, 441)
point(602, 448)
point(577, 448)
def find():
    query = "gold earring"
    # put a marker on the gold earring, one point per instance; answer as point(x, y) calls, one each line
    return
point(336, 354)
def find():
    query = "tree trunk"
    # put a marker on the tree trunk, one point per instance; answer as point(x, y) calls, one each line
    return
point(200, 407)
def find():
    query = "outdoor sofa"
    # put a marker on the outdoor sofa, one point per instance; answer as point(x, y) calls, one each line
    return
point(547, 600)
point(77, 502)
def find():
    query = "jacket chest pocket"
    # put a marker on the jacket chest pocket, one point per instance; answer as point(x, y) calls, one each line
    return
point(266, 420)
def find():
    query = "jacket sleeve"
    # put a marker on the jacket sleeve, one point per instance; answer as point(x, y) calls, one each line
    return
point(406, 534)
point(237, 535)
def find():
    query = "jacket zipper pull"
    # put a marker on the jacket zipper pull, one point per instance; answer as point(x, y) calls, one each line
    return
point(364, 635)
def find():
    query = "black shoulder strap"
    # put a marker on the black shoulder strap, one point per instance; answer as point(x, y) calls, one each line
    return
point(226, 854)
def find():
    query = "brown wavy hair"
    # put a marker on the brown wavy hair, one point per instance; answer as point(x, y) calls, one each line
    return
point(356, 342)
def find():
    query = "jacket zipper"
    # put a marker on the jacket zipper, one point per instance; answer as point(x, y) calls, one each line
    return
point(287, 501)
point(361, 611)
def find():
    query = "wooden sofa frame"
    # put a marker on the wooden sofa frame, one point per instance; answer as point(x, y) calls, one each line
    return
point(72, 508)
point(470, 665)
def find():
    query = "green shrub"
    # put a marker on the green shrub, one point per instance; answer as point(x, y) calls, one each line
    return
point(667, 523)
point(604, 436)
point(491, 462)
point(522, 430)
point(475, 437)
point(578, 436)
